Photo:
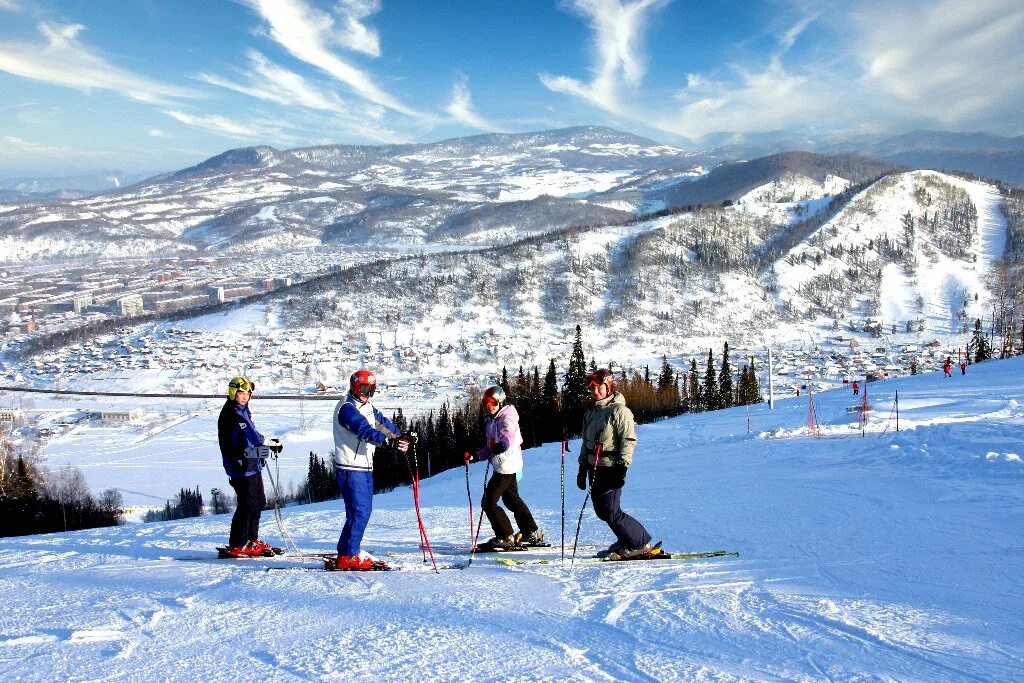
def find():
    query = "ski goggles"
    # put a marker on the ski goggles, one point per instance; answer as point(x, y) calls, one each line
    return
point(242, 385)
point(489, 402)
point(598, 378)
point(366, 390)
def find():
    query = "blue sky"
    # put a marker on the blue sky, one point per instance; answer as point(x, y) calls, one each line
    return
point(148, 85)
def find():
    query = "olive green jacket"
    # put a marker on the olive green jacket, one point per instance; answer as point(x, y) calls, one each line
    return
point(609, 423)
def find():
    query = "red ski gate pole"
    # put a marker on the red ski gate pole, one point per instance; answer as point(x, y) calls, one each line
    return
point(579, 523)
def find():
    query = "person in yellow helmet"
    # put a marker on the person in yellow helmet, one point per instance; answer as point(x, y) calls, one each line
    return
point(243, 452)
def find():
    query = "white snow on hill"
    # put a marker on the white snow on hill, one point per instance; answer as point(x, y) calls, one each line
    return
point(894, 556)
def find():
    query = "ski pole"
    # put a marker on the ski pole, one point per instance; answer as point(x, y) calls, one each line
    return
point(469, 494)
point(479, 519)
point(564, 446)
point(597, 454)
point(419, 516)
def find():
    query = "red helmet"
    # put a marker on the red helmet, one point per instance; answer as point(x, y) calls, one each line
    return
point(600, 377)
point(362, 383)
point(494, 396)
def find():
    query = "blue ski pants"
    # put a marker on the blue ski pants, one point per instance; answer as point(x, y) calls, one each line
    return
point(357, 491)
point(606, 492)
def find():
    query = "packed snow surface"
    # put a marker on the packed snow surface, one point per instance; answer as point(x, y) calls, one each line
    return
point(890, 556)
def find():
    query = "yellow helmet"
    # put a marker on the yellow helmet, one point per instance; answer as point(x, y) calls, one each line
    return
point(240, 383)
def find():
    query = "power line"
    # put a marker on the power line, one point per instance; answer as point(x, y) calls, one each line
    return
point(280, 397)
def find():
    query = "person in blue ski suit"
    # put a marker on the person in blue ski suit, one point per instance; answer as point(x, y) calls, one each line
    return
point(359, 429)
point(240, 444)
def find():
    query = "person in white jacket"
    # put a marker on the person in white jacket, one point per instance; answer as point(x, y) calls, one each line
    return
point(359, 429)
point(504, 450)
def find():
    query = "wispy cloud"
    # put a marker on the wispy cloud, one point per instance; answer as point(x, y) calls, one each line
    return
point(61, 59)
point(949, 60)
point(947, 64)
point(311, 35)
point(16, 149)
point(618, 28)
point(270, 82)
point(222, 125)
point(356, 35)
point(156, 133)
point(9, 5)
point(461, 108)
point(753, 101)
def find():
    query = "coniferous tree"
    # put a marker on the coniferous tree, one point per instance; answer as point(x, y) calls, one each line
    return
point(668, 391)
point(725, 396)
point(504, 384)
point(982, 349)
point(753, 393)
point(574, 392)
point(549, 401)
point(695, 391)
point(710, 388)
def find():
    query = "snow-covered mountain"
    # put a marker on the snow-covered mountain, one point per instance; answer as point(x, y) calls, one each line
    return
point(907, 255)
point(890, 557)
point(478, 189)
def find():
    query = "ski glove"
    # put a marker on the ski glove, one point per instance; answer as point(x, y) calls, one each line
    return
point(498, 447)
point(614, 477)
point(274, 444)
point(468, 457)
point(400, 443)
point(581, 478)
point(257, 452)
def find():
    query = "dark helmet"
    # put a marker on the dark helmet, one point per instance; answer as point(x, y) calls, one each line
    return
point(240, 383)
point(493, 395)
point(362, 383)
point(600, 377)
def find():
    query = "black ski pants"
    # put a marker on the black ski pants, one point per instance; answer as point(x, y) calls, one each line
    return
point(245, 524)
point(607, 494)
point(506, 488)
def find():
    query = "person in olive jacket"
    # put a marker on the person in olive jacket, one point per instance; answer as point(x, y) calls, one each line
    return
point(610, 423)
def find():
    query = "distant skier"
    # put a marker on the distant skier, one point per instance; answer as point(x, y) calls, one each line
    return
point(856, 389)
point(504, 450)
point(609, 423)
point(243, 451)
point(963, 367)
point(359, 429)
point(948, 367)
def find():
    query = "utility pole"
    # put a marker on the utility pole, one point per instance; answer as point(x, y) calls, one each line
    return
point(771, 382)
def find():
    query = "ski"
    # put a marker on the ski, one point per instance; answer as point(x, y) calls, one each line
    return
point(509, 561)
point(273, 551)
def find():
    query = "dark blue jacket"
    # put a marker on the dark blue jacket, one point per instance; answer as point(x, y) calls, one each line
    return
point(236, 432)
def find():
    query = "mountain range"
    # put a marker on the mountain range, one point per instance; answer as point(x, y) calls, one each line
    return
point(478, 190)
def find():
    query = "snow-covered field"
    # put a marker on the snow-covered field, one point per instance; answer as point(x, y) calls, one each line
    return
point(896, 556)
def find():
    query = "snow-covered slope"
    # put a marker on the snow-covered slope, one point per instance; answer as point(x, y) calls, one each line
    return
point(259, 198)
point(890, 557)
point(912, 249)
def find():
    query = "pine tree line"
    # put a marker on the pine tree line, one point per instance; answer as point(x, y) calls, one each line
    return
point(34, 500)
point(186, 504)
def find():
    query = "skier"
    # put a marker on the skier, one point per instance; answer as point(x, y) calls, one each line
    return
point(504, 450)
point(948, 366)
point(963, 367)
point(609, 423)
point(856, 389)
point(359, 429)
point(243, 452)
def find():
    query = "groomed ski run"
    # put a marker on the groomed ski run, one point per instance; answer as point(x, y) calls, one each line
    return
point(893, 557)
